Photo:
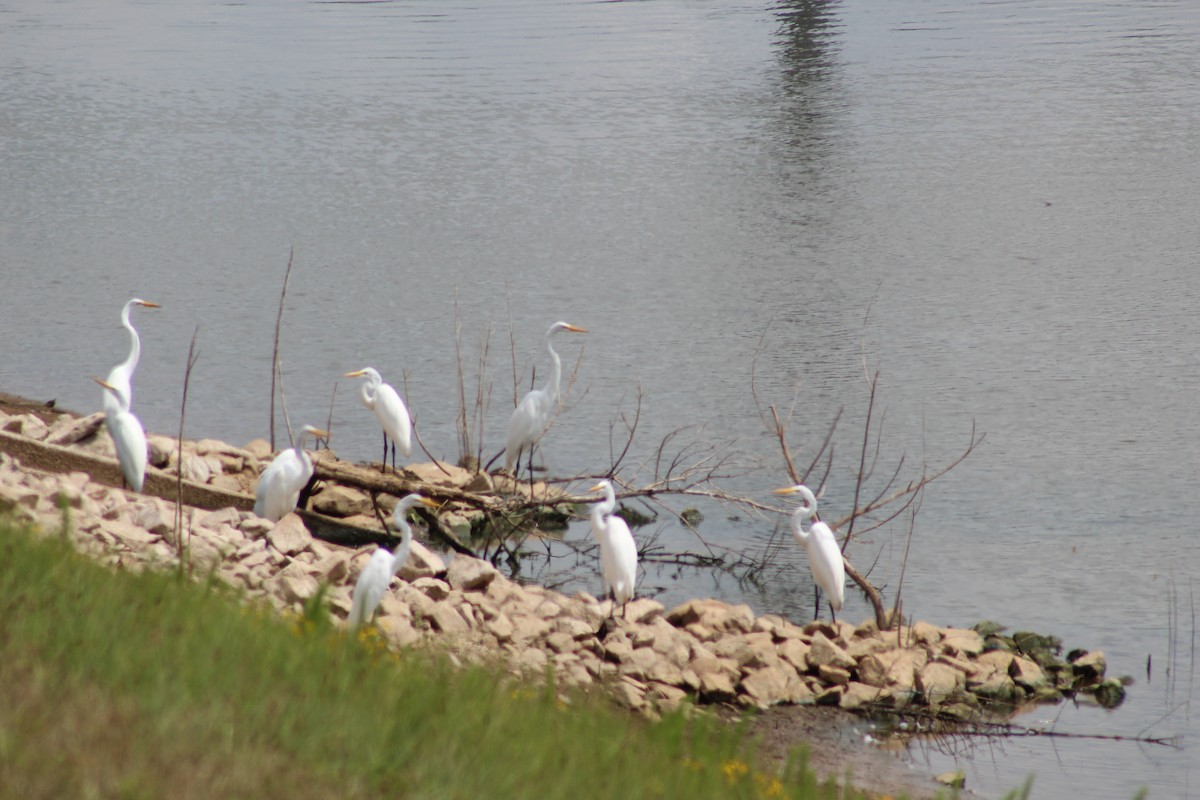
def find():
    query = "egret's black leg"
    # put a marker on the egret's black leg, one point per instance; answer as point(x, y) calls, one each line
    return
point(832, 613)
point(817, 599)
point(383, 461)
point(394, 456)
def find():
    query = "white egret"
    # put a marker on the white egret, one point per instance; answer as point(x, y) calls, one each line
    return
point(127, 434)
point(618, 552)
point(824, 555)
point(121, 376)
point(532, 416)
point(389, 409)
point(281, 482)
point(375, 578)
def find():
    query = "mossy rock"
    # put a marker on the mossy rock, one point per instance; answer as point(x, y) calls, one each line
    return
point(987, 627)
point(1030, 643)
point(1110, 693)
point(633, 517)
point(994, 642)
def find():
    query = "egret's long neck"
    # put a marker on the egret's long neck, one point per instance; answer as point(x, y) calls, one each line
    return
point(607, 505)
point(555, 371)
point(135, 342)
point(799, 517)
point(405, 545)
point(370, 389)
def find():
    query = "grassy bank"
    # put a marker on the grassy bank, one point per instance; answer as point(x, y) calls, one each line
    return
point(121, 685)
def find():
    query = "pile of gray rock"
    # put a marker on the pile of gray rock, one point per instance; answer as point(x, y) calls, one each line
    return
point(649, 657)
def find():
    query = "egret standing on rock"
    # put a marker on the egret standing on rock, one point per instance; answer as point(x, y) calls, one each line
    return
point(824, 555)
point(618, 551)
point(120, 378)
point(281, 482)
point(129, 438)
point(389, 409)
point(383, 566)
point(532, 416)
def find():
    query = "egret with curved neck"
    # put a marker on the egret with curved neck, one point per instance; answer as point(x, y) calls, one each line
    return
point(383, 566)
point(389, 409)
point(824, 555)
point(532, 416)
point(120, 377)
point(281, 482)
point(618, 551)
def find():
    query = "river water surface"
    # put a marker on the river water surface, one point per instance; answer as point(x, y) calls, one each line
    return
point(992, 203)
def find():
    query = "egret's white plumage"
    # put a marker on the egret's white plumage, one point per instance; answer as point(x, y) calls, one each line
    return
point(618, 551)
point(128, 436)
point(389, 409)
point(375, 578)
point(120, 377)
point(824, 555)
point(532, 415)
point(281, 482)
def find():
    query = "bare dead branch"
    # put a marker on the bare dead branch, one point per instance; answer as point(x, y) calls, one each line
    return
point(275, 368)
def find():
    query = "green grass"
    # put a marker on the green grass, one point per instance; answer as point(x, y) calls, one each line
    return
point(124, 685)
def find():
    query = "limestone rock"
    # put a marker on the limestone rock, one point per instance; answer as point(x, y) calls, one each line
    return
point(68, 430)
point(1088, 665)
point(398, 630)
point(961, 642)
point(470, 574)
point(855, 695)
point(256, 526)
point(162, 450)
point(446, 619)
point(127, 533)
point(433, 588)
point(258, 448)
point(295, 588)
point(795, 652)
point(1026, 673)
point(643, 610)
point(939, 682)
point(713, 615)
point(893, 668)
point(422, 563)
point(222, 516)
point(824, 651)
point(289, 535)
point(766, 686)
point(833, 676)
point(341, 501)
point(27, 425)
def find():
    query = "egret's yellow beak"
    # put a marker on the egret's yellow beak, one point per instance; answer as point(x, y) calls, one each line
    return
point(575, 329)
point(105, 384)
point(425, 501)
point(320, 433)
point(596, 488)
point(787, 490)
point(358, 373)
point(148, 304)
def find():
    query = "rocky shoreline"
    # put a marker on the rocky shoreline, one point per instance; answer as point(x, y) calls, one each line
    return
point(649, 659)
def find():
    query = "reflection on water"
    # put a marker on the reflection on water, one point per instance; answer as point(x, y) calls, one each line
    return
point(992, 203)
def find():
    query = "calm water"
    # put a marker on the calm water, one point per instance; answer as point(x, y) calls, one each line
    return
point(993, 203)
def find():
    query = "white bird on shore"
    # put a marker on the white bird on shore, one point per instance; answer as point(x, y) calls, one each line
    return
point(120, 377)
point(389, 409)
point(281, 482)
point(129, 438)
point(618, 551)
point(383, 566)
point(824, 555)
point(532, 416)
